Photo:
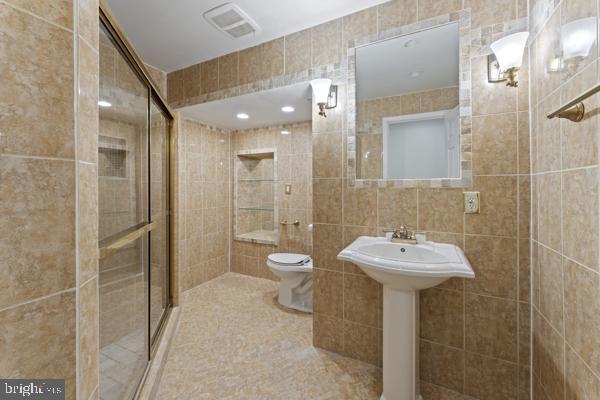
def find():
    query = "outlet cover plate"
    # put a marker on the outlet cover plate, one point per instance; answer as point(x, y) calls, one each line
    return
point(471, 202)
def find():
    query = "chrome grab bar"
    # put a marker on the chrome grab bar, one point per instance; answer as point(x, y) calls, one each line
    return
point(574, 110)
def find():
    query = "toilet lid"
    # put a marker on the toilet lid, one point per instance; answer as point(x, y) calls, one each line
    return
point(289, 258)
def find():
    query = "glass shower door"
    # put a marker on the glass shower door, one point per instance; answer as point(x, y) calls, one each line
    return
point(124, 223)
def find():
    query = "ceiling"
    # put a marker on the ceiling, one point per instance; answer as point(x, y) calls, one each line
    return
point(383, 69)
point(174, 34)
point(264, 108)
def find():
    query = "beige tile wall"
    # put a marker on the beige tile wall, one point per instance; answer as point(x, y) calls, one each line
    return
point(475, 334)
point(294, 160)
point(369, 131)
point(566, 279)
point(48, 196)
point(202, 240)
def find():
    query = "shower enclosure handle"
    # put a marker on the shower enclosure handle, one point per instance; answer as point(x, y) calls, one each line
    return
point(114, 243)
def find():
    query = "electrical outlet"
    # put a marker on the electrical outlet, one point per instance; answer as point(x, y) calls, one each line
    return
point(471, 202)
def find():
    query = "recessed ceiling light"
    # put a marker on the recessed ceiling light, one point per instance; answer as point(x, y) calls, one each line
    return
point(414, 74)
point(243, 116)
point(285, 132)
point(287, 109)
point(104, 103)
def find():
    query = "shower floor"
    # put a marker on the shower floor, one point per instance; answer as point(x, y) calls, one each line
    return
point(235, 342)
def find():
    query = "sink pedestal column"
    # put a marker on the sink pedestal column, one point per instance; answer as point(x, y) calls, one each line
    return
point(400, 345)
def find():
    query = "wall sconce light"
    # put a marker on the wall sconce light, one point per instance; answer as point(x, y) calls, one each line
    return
point(578, 37)
point(504, 64)
point(325, 95)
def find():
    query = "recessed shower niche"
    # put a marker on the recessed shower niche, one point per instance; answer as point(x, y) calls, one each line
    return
point(255, 210)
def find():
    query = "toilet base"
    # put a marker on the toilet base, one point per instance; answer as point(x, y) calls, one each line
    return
point(296, 293)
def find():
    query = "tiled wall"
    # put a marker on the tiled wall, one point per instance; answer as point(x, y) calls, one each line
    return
point(566, 287)
point(369, 131)
point(475, 334)
point(294, 161)
point(48, 195)
point(160, 79)
point(204, 202)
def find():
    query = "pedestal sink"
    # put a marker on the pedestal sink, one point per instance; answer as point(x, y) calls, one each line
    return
point(404, 269)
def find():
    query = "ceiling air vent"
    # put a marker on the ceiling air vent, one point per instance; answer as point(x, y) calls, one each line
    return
point(230, 19)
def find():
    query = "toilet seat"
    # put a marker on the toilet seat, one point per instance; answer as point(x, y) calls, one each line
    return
point(289, 258)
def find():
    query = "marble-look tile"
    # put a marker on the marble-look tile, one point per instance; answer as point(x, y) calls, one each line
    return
point(360, 205)
point(361, 295)
point(28, 125)
point(89, 28)
point(489, 98)
point(328, 293)
point(359, 25)
point(210, 76)
point(441, 365)
point(491, 327)
point(579, 141)
point(228, 71)
point(433, 8)
point(582, 383)
point(490, 379)
point(396, 207)
point(88, 338)
point(551, 361)
point(525, 278)
point(326, 43)
point(489, 12)
point(498, 215)
point(192, 81)
point(396, 13)
point(297, 51)
point(494, 261)
point(272, 57)
point(549, 210)
point(87, 136)
point(582, 312)
point(441, 210)
point(276, 343)
point(250, 64)
point(39, 340)
point(37, 213)
point(58, 12)
point(362, 343)
point(442, 316)
point(495, 143)
point(551, 286)
point(327, 243)
point(580, 216)
point(328, 333)
point(327, 201)
point(88, 221)
point(327, 155)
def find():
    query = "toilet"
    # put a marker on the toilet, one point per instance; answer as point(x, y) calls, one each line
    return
point(295, 286)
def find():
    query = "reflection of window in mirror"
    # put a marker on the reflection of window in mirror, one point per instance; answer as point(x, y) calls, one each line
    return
point(407, 115)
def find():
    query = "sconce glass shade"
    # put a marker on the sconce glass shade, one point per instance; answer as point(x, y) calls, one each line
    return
point(578, 37)
point(509, 50)
point(320, 89)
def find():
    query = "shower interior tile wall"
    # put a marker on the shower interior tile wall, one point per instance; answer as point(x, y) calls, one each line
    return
point(204, 201)
point(294, 160)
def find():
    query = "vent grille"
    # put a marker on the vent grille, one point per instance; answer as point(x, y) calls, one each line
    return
point(231, 20)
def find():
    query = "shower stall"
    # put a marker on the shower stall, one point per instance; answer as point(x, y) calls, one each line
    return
point(134, 148)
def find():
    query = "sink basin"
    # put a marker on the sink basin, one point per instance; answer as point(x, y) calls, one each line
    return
point(404, 269)
point(407, 266)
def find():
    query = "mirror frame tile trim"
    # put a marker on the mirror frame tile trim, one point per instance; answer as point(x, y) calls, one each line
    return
point(466, 176)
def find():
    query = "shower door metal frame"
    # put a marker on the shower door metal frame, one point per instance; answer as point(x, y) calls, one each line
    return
point(107, 19)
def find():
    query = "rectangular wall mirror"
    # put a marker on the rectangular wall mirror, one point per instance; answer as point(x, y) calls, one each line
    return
point(407, 106)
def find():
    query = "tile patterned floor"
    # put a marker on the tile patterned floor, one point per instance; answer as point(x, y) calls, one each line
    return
point(235, 342)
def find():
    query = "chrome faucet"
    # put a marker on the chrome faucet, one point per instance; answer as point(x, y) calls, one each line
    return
point(401, 235)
